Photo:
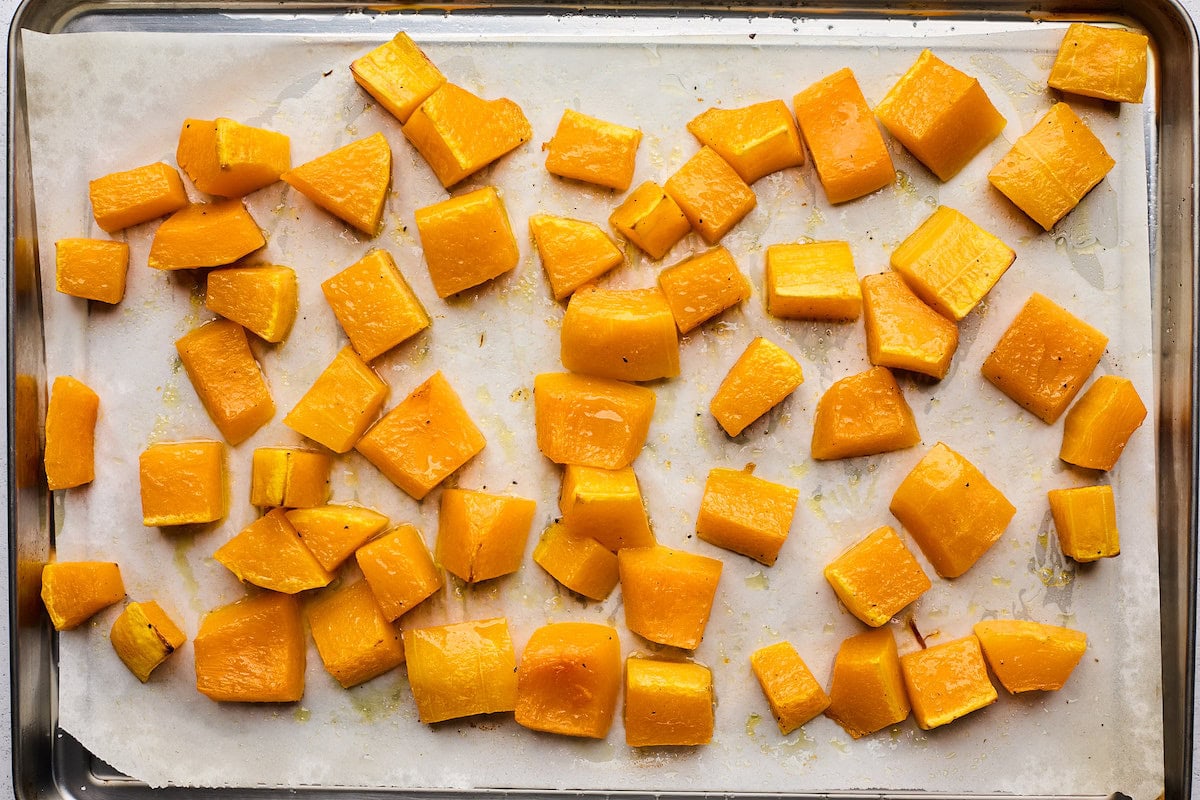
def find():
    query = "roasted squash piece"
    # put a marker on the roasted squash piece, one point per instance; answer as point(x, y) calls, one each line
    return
point(1107, 63)
point(667, 703)
point(867, 690)
point(650, 218)
point(71, 434)
point(183, 483)
point(226, 377)
point(93, 269)
point(332, 533)
point(252, 651)
point(482, 536)
point(269, 553)
point(341, 404)
point(289, 477)
point(699, 288)
point(229, 159)
point(354, 639)
point(467, 241)
point(863, 415)
point(759, 380)
point(577, 561)
point(595, 422)
point(350, 182)
point(1098, 427)
point(374, 304)
point(144, 637)
point(573, 252)
point(398, 74)
point(946, 681)
point(812, 281)
point(594, 151)
point(623, 334)
point(902, 331)
point(668, 593)
point(755, 140)
point(205, 235)
point(793, 693)
point(605, 504)
point(877, 577)
point(711, 194)
point(73, 591)
point(399, 569)
point(122, 199)
point(462, 669)
point(1086, 521)
point(261, 299)
point(1029, 656)
point(746, 514)
point(568, 679)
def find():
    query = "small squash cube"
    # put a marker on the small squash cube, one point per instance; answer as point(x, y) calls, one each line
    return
point(374, 304)
point(122, 199)
point(144, 637)
point(1030, 656)
point(605, 504)
point(947, 681)
point(467, 241)
point(588, 149)
point(793, 693)
point(1044, 358)
point(341, 404)
point(261, 299)
point(229, 159)
point(1098, 427)
point(953, 511)
point(93, 269)
point(333, 533)
point(573, 252)
point(667, 703)
point(205, 235)
point(569, 678)
point(252, 651)
point(1086, 521)
point(668, 593)
point(866, 693)
point(711, 194)
point(577, 561)
point(623, 334)
point(758, 381)
point(755, 140)
point(863, 415)
point(902, 331)
point(1101, 62)
point(269, 553)
point(289, 477)
point(745, 514)
point(482, 536)
point(398, 75)
point(227, 379)
point(355, 641)
point(182, 483)
point(71, 434)
point(1051, 167)
point(73, 591)
point(350, 182)
point(812, 281)
point(461, 670)
point(594, 422)
point(703, 286)
point(651, 219)
point(399, 569)
point(877, 577)
point(425, 438)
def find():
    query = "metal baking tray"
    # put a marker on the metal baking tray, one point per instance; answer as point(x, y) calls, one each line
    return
point(49, 763)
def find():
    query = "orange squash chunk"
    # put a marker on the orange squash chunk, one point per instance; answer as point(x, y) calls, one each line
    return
point(843, 138)
point(667, 703)
point(144, 637)
point(71, 434)
point(252, 651)
point(73, 591)
point(1030, 656)
point(398, 75)
point(1044, 358)
point(877, 577)
point(261, 299)
point(755, 140)
point(569, 678)
point(93, 269)
point(668, 593)
point(458, 133)
point(399, 569)
point(947, 681)
point(269, 553)
point(205, 235)
point(650, 218)
point(341, 404)
point(573, 252)
point(461, 670)
point(863, 415)
point(577, 561)
point(182, 483)
point(467, 241)
point(227, 379)
point(350, 182)
point(1098, 427)
point(812, 281)
point(793, 693)
point(941, 115)
point(482, 536)
point(867, 693)
point(355, 641)
point(711, 194)
point(594, 422)
point(745, 514)
point(333, 533)
point(122, 199)
point(953, 511)
point(605, 504)
point(374, 304)
point(902, 331)
point(1101, 62)
point(289, 476)
point(1086, 521)
point(699, 288)
point(425, 438)
point(1051, 167)
point(624, 334)
point(594, 151)
point(758, 381)
point(229, 159)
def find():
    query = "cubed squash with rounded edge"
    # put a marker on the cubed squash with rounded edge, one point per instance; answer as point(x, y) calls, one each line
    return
point(93, 269)
point(122, 199)
point(863, 415)
point(183, 483)
point(699, 288)
point(252, 651)
point(229, 159)
point(73, 591)
point(398, 75)
point(350, 182)
point(332, 533)
point(577, 561)
point(226, 377)
point(746, 514)
point(399, 569)
point(1030, 656)
point(668, 593)
point(144, 637)
point(482, 536)
point(462, 669)
point(289, 477)
point(866, 692)
point(467, 241)
point(374, 304)
point(568, 679)
point(594, 151)
point(1107, 63)
point(341, 404)
point(953, 512)
point(573, 252)
point(1098, 427)
point(1044, 357)
point(791, 690)
point(605, 504)
point(424, 439)
point(667, 703)
point(261, 299)
point(711, 194)
point(812, 281)
point(877, 577)
point(902, 331)
point(354, 639)
point(623, 334)
point(755, 140)
point(70, 457)
point(595, 422)
point(651, 219)
point(1086, 522)
point(946, 682)
point(205, 235)
point(269, 553)
point(759, 380)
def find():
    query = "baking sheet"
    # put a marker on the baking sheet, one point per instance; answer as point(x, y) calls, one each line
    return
point(101, 102)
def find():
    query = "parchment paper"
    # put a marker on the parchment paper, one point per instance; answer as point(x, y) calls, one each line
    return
point(103, 102)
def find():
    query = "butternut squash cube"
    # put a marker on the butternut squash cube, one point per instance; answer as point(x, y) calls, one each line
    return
point(1107, 63)
point(269, 553)
point(699, 288)
point(399, 569)
point(651, 219)
point(863, 415)
point(902, 331)
point(745, 514)
point(947, 681)
point(951, 263)
point(73, 591)
point(229, 159)
point(711, 194)
point(793, 693)
point(458, 133)
point(482, 536)
point(812, 281)
point(594, 151)
point(569, 678)
point(350, 182)
point(953, 511)
point(398, 75)
point(261, 299)
point(71, 434)
point(594, 422)
point(461, 670)
point(668, 593)
point(144, 637)
point(467, 241)
point(122, 199)
point(758, 381)
point(667, 703)
point(425, 438)
point(1098, 427)
point(341, 404)
point(941, 115)
point(867, 693)
point(333, 533)
point(355, 641)
point(93, 269)
point(205, 235)
point(1030, 656)
point(290, 477)
point(842, 136)
point(1051, 168)
point(877, 577)
point(227, 379)
point(1086, 521)
point(624, 334)
point(577, 561)
point(605, 504)
point(755, 140)
point(252, 651)
point(573, 252)
point(374, 304)
point(183, 483)
point(1044, 357)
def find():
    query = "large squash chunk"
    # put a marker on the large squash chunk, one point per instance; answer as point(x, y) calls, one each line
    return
point(93, 269)
point(1098, 427)
point(667, 703)
point(877, 577)
point(703, 286)
point(228, 380)
point(650, 218)
point(573, 252)
point(624, 334)
point(755, 140)
point(902, 331)
point(269, 553)
point(1030, 656)
point(594, 422)
point(289, 477)
point(947, 681)
point(668, 593)
point(594, 151)
point(812, 281)
point(863, 415)
point(793, 693)
point(205, 235)
point(605, 504)
point(745, 514)
point(467, 241)
point(333, 533)
point(759, 380)
point(711, 194)
point(350, 182)
point(252, 651)
point(144, 637)
point(1086, 521)
point(122, 199)
point(229, 159)
point(354, 639)
point(1101, 62)
point(867, 692)
point(73, 591)
point(398, 75)
point(577, 561)
point(374, 304)
point(261, 299)
point(341, 404)
point(462, 669)
point(183, 483)
point(569, 678)
point(71, 434)
point(482, 536)
point(399, 569)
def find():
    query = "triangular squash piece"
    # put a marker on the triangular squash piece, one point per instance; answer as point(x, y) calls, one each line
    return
point(269, 553)
point(756, 140)
point(351, 182)
point(333, 533)
point(573, 252)
point(205, 235)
